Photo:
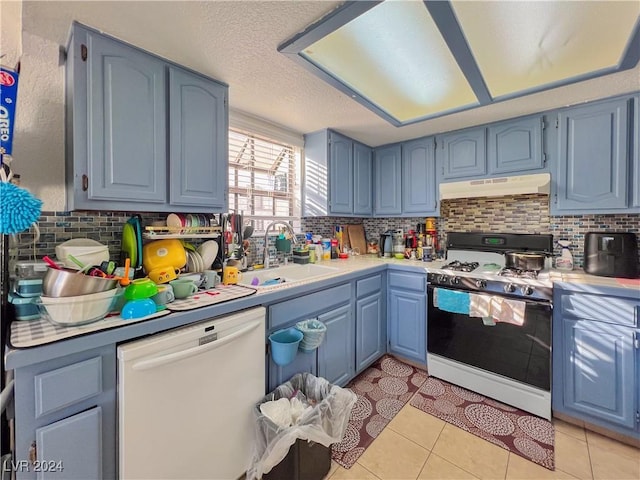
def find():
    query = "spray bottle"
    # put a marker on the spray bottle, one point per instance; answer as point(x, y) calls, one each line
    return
point(565, 260)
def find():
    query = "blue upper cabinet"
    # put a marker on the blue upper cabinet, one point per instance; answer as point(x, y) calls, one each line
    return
point(340, 174)
point(197, 138)
point(515, 146)
point(635, 148)
point(134, 120)
point(592, 172)
point(337, 176)
point(419, 195)
point(126, 115)
point(462, 154)
point(362, 179)
point(387, 169)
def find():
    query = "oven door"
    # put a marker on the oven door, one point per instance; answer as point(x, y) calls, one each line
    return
point(521, 353)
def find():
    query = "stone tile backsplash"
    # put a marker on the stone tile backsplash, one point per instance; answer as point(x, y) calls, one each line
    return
point(513, 214)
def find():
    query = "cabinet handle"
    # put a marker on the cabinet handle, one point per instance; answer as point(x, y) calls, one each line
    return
point(33, 453)
point(83, 52)
point(85, 183)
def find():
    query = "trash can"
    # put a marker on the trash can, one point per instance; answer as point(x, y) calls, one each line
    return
point(300, 450)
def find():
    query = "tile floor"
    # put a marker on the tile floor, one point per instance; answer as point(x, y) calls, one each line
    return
point(416, 445)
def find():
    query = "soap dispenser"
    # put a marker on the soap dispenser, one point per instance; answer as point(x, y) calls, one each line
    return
point(565, 260)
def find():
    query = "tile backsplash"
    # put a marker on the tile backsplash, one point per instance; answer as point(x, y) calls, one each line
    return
point(512, 214)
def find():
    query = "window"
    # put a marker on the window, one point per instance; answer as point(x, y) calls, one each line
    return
point(264, 179)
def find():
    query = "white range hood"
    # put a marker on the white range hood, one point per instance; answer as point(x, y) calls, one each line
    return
point(497, 187)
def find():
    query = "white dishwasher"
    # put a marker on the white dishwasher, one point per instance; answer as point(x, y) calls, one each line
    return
point(186, 399)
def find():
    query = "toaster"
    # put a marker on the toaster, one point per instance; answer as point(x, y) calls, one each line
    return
point(611, 254)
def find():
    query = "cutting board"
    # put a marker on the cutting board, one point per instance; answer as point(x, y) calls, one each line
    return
point(357, 238)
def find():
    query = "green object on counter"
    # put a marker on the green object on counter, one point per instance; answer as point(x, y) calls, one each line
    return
point(283, 245)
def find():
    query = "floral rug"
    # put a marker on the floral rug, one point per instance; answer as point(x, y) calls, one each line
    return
point(382, 390)
point(519, 432)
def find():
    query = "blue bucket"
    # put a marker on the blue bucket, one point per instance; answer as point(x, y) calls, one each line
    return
point(284, 345)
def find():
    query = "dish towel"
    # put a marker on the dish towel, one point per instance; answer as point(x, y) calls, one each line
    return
point(451, 301)
point(508, 311)
point(479, 305)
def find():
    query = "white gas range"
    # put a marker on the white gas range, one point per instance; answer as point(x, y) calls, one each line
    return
point(489, 328)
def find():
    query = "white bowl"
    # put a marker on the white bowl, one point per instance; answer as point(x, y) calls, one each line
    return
point(79, 310)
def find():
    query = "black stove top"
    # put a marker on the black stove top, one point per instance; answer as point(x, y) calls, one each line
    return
point(459, 266)
point(518, 273)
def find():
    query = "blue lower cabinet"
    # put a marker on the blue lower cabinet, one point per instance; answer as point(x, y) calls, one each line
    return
point(408, 324)
point(336, 353)
point(599, 371)
point(370, 330)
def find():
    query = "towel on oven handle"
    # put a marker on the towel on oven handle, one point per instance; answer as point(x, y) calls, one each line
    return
point(507, 310)
point(451, 300)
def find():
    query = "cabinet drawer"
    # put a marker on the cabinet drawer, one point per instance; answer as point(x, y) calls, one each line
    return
point(308, 305)
point(408, 281)
point(368, 285)
point(601, 308)
point(65, 386)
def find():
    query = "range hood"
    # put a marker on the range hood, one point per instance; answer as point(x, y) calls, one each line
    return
point(496, 187)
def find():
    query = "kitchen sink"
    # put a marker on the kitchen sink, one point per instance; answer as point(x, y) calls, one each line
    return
point(288, 275)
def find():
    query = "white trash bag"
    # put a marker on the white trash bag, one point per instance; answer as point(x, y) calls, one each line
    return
point(315, 410)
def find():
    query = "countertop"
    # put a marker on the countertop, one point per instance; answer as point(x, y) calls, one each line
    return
point(346, 270)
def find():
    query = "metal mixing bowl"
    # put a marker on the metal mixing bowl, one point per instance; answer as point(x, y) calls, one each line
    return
point(70, 283)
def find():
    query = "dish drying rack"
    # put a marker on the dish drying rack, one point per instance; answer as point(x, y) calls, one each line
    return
point(156, 233)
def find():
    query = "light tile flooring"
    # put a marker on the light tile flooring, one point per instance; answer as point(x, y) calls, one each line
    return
point(416, 445)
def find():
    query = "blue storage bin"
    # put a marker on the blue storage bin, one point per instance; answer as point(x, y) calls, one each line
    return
point(25, 308)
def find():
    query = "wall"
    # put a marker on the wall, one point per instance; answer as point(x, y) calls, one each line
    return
point(511, 214)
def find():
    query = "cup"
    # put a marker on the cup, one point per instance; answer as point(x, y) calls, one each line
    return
point(163, 274)
point(165, 295)
point(182, 288)
point(211, 279)
point(230, 275)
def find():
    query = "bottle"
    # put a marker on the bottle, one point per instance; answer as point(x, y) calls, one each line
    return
point(334, 248)
point(565, 260)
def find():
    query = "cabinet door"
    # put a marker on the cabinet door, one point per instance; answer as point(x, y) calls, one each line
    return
point(599, 370)
point(388, 181)
point(370, 331)
point(635, 160)
point(198, 130)
point(362, 180)
point(592, 166)
point(126, 113)
point(419, 177)
point(304, 362)
point(407, 324)
point(71, 448)
point(515, 146)
point(340, 174)
point(335, 353)
point(463, 154)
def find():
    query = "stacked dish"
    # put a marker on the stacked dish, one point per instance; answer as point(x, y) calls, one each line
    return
point(195, 262)
point(189, 222)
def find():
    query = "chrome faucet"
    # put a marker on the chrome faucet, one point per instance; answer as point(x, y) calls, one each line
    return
point(294, 240)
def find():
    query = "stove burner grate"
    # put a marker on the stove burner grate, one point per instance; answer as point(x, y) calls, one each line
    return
point(518, 273)
point(461, 266)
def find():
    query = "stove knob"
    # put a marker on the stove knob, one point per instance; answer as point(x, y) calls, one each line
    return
point(443, 278)
point(481, 283)
point(509, 288)
point(526, 289)
point(455, 280)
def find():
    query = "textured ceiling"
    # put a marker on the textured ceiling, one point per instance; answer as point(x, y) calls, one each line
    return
point(236, 42)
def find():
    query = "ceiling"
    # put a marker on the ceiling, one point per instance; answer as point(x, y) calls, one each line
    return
point(236, 42)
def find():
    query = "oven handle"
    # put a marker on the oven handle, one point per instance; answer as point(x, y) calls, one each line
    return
point(430, 288)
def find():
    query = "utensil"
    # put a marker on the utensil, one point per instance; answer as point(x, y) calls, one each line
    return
point(77, 262)
point(247, 232)
point(124, 281)
point(50, 262)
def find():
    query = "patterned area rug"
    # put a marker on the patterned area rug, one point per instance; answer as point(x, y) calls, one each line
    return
point(382, 390)
point(519, 432)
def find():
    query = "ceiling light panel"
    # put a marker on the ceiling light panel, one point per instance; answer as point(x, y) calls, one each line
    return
point(520, 46)
point(394, 56)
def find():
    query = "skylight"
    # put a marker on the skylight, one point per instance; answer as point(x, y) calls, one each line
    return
point(410, 60)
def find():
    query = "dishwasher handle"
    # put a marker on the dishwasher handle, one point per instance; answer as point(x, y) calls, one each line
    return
point(190, 352)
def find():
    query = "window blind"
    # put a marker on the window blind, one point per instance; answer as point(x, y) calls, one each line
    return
point(264, 179)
